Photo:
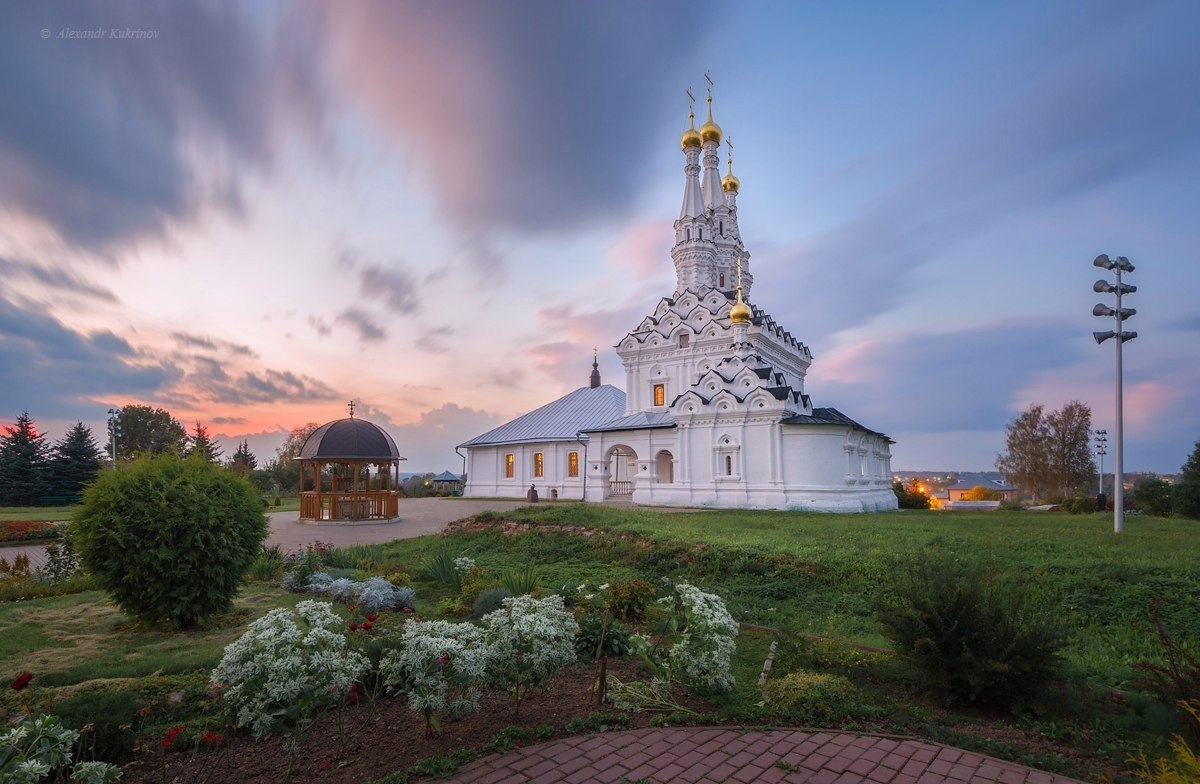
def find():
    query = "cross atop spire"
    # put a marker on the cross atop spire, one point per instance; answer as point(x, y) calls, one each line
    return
point(691, 102)
point(350, 405)
point(595, 377)
point(708, 78)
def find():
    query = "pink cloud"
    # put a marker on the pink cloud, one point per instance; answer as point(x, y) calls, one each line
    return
point(644, 249)
point(1149, 404)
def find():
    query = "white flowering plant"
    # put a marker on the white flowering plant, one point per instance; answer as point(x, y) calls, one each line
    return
point(440, 665)
point(700, 657)
point(530, 640)
point(288, 666)
point(31, 750)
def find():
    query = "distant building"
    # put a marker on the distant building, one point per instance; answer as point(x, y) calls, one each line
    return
point(962, 487)
point(447, 482)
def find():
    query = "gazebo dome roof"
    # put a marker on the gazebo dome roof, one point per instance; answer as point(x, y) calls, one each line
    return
point(349, 439)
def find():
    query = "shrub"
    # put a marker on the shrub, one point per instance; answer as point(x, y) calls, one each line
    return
point(377, 595)
point(910, 497)
point(591, 627)
point(39, 745)
point(490, 600)
point(627, 599)
point(170, 538)
point(1184, 769)
point(1082, 505)
point(299, 565)
point(812, 699)
point(702, 656)
point(27, 530)
point(287, 666)
point(1152, 495)
point(530, 640)
point(440, 665)
point(976, 640)
point(1177, 678)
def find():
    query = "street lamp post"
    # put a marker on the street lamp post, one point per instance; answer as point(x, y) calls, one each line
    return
point(112, 434)
point(1101, 451)
point(1120, 314)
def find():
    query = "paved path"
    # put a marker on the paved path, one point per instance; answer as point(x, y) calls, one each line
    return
point(725, 754)
point(418, 516)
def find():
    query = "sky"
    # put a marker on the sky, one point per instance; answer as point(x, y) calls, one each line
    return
point(251, 213)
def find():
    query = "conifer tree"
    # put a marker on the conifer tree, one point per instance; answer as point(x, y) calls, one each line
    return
point(243, 461)
point(75, 461)
point(24, 463)
point(201, 445)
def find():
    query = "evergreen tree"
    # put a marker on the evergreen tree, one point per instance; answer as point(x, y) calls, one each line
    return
point(75, 461)
point(1185, 495)
point(142, 430)
point(24, 464)
point(243, 461)
point(201, 445)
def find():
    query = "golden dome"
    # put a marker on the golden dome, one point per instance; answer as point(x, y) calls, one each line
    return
point(730, 183)
point(740, 313)
point(691, 137)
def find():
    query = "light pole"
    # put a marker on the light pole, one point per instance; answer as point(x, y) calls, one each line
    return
point(1101, 451)
point(112, 434)
point(1120, 314)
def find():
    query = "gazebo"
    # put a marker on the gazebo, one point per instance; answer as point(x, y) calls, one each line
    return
point(349, 470)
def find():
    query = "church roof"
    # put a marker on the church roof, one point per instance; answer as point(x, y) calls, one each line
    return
point(637, 421)
point(826, 416)
point(446, 476)
point(560, 420)
point(349, 438)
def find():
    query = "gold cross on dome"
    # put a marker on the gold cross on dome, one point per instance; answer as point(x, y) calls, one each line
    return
point(351, 406)
point(708, 78)
point(691, 102)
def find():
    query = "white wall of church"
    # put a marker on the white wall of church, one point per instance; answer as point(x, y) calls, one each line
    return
point(487, 469)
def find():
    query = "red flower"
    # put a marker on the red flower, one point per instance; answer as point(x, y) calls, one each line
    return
point(372, 617)
point(213, 737)
point(22, 681)
point(326, 763)
point(171, 733)
point(366, 627)
point(353, 626)
point(444, 659)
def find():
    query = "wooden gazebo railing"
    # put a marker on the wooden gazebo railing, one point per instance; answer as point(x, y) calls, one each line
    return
point(349, 491)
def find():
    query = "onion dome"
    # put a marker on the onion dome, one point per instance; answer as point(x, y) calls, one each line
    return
point(740, 313)
point(691, 137)
point(349, 438)
point(730, 182)
point(710, 131)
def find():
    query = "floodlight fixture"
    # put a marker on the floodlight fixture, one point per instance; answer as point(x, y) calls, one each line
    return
point(1119, 314)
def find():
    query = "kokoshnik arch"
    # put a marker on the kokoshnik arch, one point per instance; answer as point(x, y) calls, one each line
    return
point(714, 411)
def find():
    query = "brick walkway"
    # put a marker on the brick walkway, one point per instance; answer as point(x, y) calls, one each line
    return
point(732, 755)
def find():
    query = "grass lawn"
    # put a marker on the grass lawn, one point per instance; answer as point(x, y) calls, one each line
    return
point(801, 572)
point(67, 640)
point(50, 513)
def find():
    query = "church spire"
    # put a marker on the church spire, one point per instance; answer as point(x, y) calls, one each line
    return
point(595, 378)
point(710, 134)
point(693, 201)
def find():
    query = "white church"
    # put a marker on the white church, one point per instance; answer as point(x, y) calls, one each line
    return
point(714, 412)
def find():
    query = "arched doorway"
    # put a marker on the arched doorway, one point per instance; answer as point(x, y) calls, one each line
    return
point(665, 465)
point(622, 467)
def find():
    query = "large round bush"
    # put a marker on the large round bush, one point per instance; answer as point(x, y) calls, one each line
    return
point(170, 538)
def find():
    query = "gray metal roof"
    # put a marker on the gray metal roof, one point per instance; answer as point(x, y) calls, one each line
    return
point(827, 416)
point(446, 476)
point(637, 421)
point(560, 420)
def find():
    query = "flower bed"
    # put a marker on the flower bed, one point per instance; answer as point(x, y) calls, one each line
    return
point(28, 531)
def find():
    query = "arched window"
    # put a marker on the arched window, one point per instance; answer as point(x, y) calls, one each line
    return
point(728, 465)
point(660, 394)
